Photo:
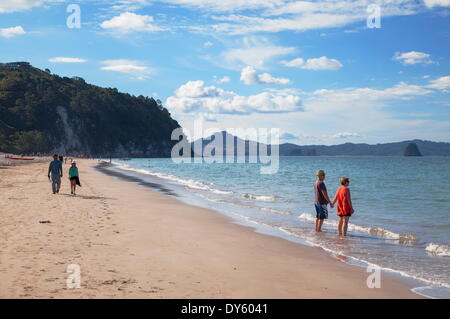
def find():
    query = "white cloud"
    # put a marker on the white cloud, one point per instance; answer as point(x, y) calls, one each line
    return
point(254, 51)
point(295, 63)
point(288, 7)
point(129, 5)
point(288, 136)
point(240, 24)
point(66, 60)
point(412, 57)
point(401, 90)
point(344, 135)
point(208, 44)
point(308, 15)
point(437, 3)
point(226, 5)
point(134, 68)
point(322, 63)
point(354, 96)
point(339, 108)
point(348, 110)
point(131, 22)
point(7, 6)
point(441, 83)
point(207, 117)
point(195, 97)
point(11, 32)
point(238, 17)
point(250, 76)
point(225, 79)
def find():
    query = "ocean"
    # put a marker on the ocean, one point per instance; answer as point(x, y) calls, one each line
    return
point(402, 207)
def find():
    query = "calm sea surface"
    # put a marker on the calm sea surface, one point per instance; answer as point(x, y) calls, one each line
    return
point(402, 206)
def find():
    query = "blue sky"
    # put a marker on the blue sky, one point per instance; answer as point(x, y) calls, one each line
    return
point(313, 69)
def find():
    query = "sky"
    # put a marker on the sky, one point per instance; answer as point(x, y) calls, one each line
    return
point(322, 72)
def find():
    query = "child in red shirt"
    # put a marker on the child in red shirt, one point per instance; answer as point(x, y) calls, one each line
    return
point(344, 206)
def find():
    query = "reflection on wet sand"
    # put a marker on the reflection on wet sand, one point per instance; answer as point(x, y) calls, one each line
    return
point(104, 168)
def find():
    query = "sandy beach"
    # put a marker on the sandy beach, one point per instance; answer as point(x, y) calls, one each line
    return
point(133, 242)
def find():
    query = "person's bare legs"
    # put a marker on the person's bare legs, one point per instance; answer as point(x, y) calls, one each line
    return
point(345, 226)
point(340, 224)
point(319, 223)
point(72, 186)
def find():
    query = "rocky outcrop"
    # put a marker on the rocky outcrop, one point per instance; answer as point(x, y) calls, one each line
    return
point(412, 150)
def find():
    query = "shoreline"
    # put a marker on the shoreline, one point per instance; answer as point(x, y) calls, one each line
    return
point(134, 243)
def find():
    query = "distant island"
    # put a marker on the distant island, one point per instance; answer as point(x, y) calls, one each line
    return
point(42, 113)
point(404, 148)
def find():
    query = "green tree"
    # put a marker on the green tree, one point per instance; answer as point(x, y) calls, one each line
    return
point(30, 142)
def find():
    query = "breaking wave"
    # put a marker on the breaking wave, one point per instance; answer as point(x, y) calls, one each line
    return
point(374, 231)
point(438, 250)
point(260, 197)
point(190, 183)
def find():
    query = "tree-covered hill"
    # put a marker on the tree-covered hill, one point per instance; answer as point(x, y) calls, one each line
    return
point(44, 113)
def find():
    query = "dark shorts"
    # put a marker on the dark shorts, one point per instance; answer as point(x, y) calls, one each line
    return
point(344, 215)
point(321, 211)
point(73, 178)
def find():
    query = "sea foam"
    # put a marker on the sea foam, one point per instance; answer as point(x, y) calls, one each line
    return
point(374, 231)
point(190, 183)
point(439, 250)
point(264, 198)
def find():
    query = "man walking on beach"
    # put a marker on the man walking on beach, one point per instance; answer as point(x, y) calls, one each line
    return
point(321, 200)
point(55, 169)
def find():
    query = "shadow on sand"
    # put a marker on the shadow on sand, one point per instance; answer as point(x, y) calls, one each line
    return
point(87, 197)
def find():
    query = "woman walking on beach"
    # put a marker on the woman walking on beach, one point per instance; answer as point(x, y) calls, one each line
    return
point(73, 176)
point(344, 205)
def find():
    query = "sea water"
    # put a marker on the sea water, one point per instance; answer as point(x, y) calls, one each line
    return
point(402, 206)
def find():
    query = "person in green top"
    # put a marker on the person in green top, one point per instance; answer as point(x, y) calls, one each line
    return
point(73, 176)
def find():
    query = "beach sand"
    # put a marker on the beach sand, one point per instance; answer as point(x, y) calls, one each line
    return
point(133, 242)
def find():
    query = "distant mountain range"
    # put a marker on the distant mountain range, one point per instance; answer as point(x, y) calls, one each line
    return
point(404, 148)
